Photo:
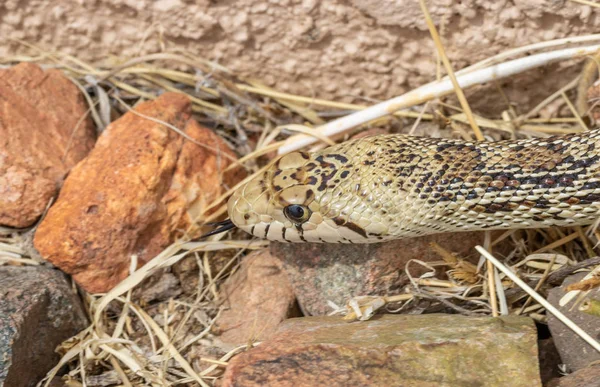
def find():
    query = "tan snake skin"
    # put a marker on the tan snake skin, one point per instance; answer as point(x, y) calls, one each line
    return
point(394, 186)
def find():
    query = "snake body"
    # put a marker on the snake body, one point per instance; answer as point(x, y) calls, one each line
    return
point(395, 186)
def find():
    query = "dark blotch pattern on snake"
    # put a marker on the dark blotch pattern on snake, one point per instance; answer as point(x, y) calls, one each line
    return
point(395, 186)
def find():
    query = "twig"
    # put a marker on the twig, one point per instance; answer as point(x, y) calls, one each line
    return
point(558, 243)
point(491, 276)
point(492, 289)
point(457, 89)
point(587, 2)
point(574, 111)
point(574, 292)
point(529, 49)
point(435, 90)
point(541, 300)
point(538, 286)
point(558, 276)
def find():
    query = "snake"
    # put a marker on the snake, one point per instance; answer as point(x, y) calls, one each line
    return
point(394, 186)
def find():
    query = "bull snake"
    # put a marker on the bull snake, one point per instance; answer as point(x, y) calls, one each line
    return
point(396, 186)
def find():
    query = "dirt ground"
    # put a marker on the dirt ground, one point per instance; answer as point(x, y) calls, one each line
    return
point(347, 50)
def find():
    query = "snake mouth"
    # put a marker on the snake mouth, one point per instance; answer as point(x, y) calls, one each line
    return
point(222, 226)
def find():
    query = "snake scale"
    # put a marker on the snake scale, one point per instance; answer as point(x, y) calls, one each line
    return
point(395, 186)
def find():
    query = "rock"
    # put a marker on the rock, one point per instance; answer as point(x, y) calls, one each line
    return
point(200, 177)
point(337, 272)
point(574, 352)
point(549, 360)
point(158, 287)
point(585, 377)
point(187, 272)
point(136, 192)
point(58, 382)
point(38, 311)
point(393, 350)
point(44, 132)
point(256, 299)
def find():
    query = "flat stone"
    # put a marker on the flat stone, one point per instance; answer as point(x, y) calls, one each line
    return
point(338, 272)
point(38, 311)
point(256, 299)
point(140, 188)
point(585, 377)
point(393, 350)
point(44, 132)
point(574, 352)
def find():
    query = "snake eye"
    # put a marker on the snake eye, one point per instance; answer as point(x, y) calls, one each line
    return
point(297, 213)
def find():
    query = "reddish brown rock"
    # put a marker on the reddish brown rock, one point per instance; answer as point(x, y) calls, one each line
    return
point(585, 377)
point(332, 272)
point(44, 132)
point(256, 299)
point(393, 350)
point(38, 311)
point(573, 350)
point(132, 194)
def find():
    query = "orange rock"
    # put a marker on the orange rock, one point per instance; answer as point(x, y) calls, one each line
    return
point(257, 298)
point(200, 176)
point(44, 132)
point(131, 195)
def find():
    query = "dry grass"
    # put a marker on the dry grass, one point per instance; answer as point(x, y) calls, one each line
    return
point(169, 342)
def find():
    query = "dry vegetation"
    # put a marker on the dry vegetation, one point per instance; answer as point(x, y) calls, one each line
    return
point(130, 342)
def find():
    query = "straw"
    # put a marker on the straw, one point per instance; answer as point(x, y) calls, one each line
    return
point(541, 300)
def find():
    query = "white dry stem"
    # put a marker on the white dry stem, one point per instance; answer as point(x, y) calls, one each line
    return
point(587, 2)
point(541, 300)
point(435, 90)
point(530, 48)
point(501, 295)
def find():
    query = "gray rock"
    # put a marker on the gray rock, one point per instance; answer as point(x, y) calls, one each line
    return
point(338, 272)
point(585, 377)
point(574, 352)
point(38, 311)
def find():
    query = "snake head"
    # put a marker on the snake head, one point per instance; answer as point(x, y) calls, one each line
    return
point(278, 204)
point(307, 197)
